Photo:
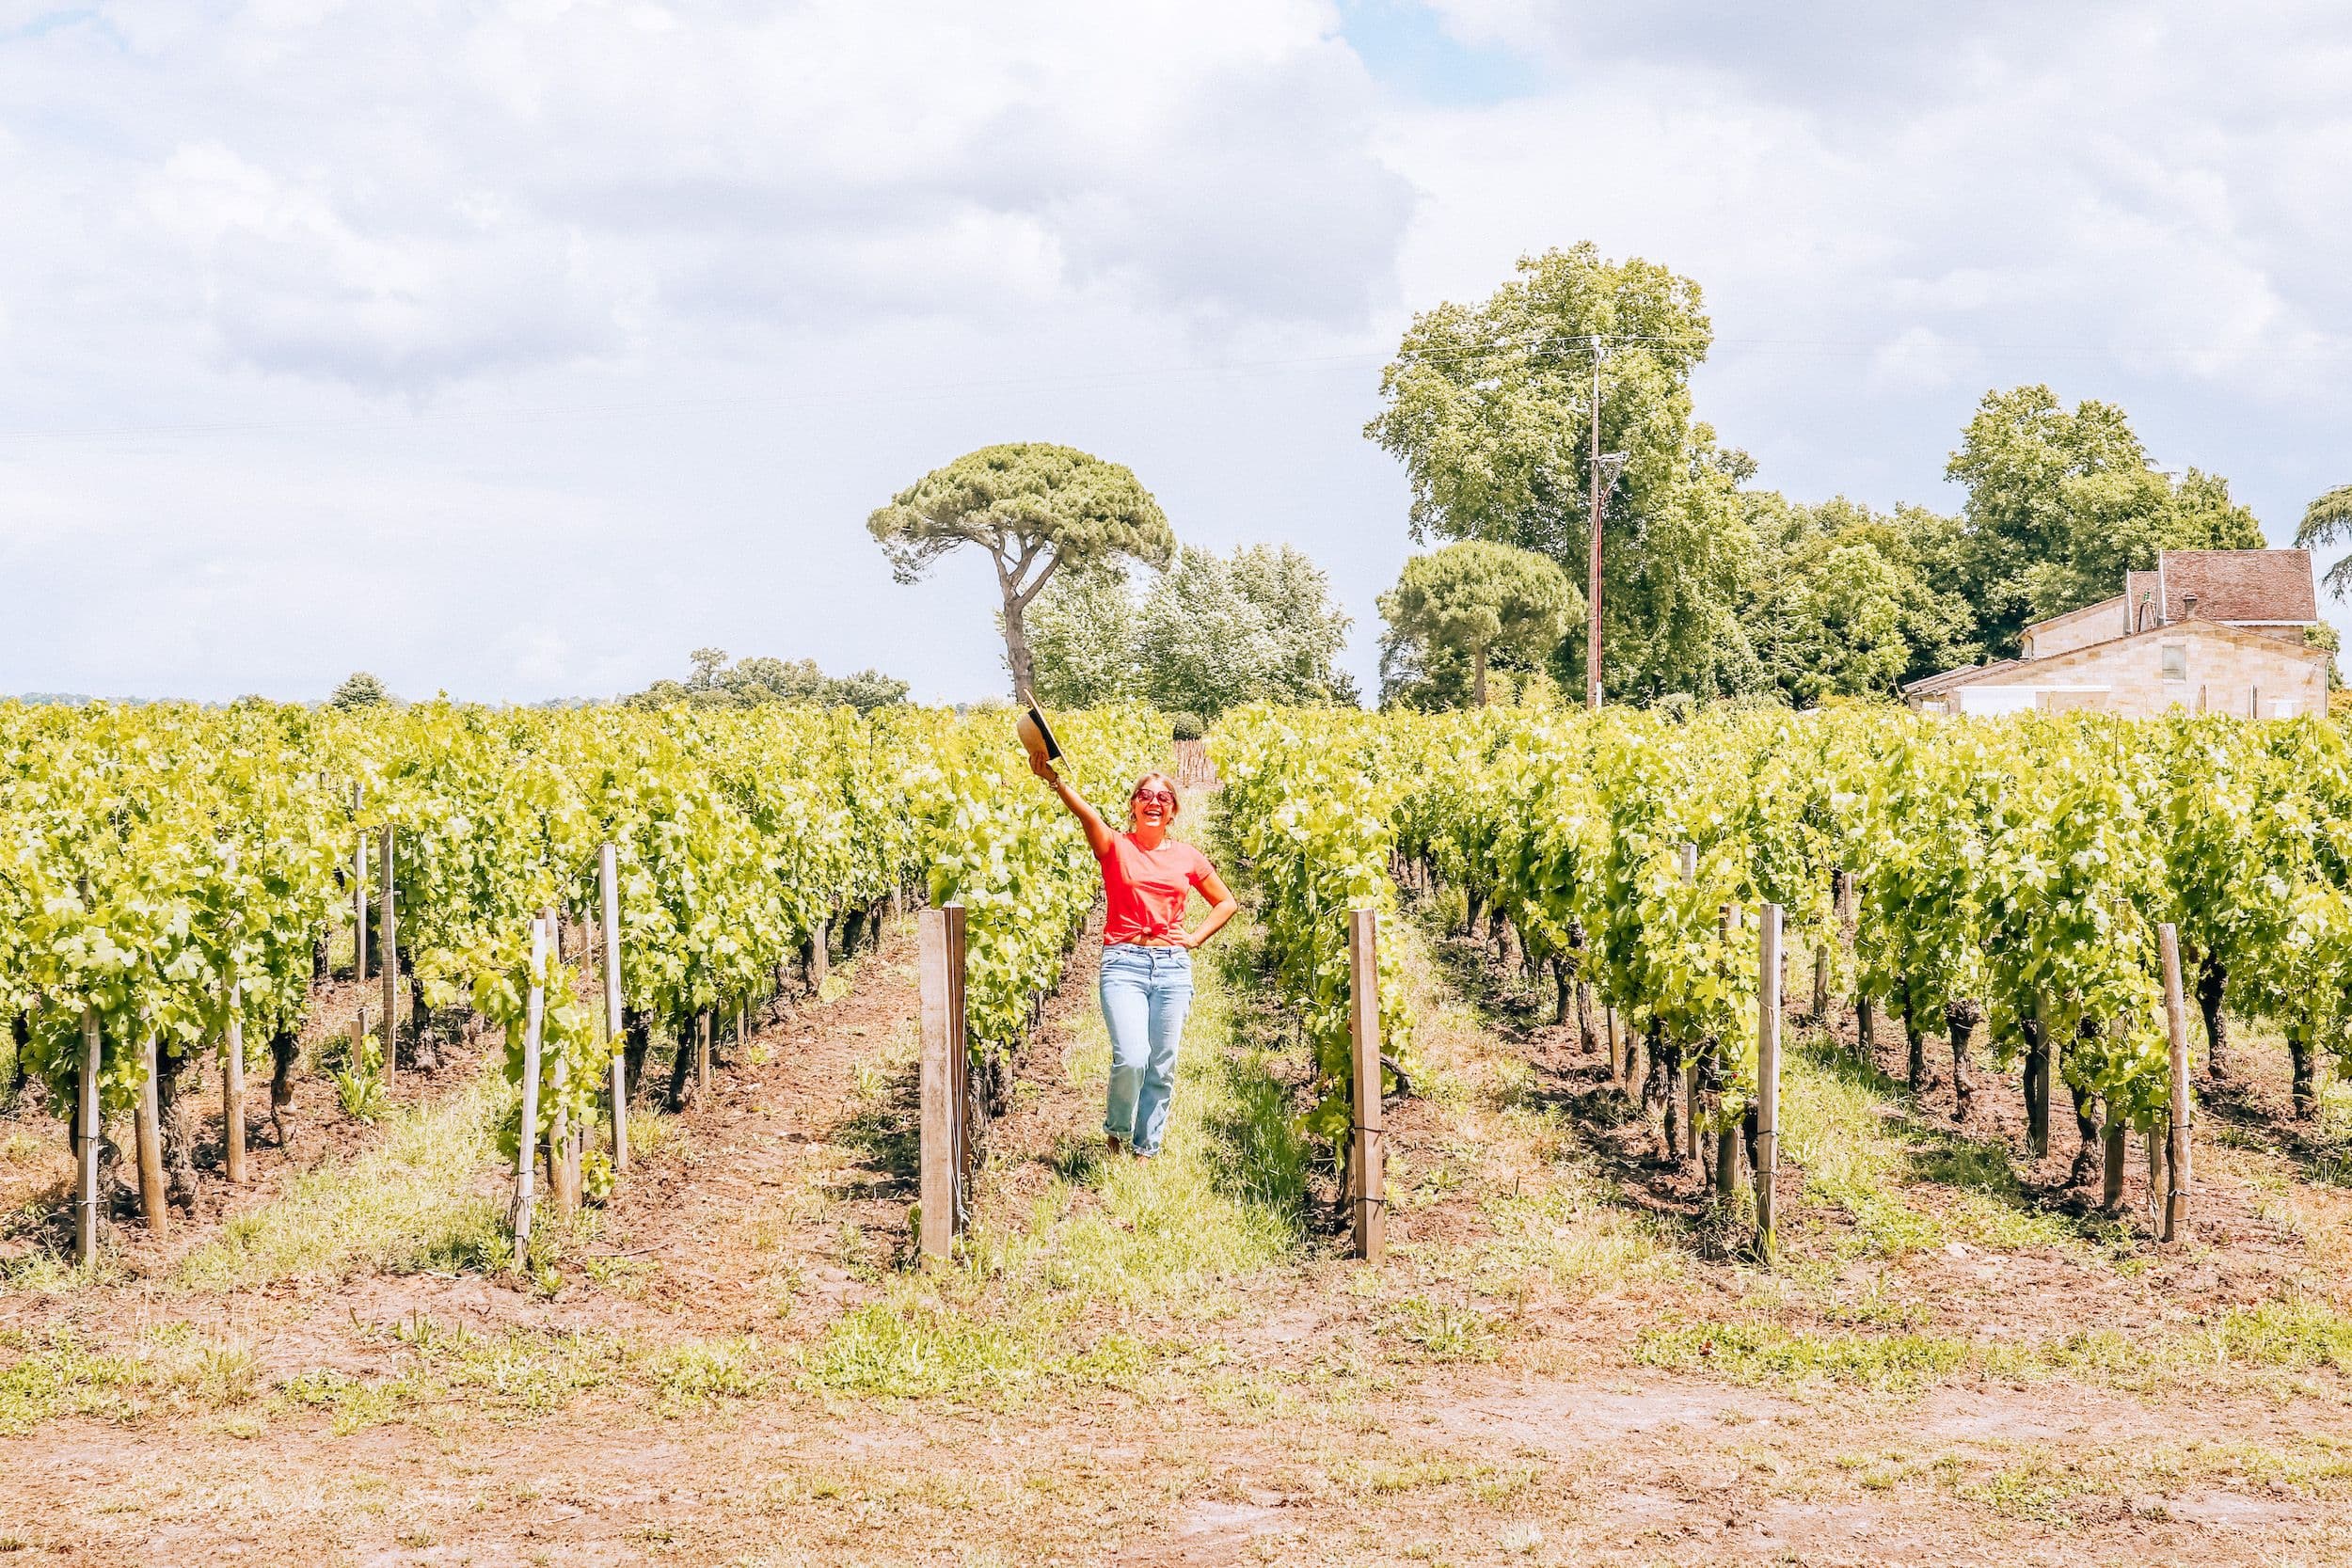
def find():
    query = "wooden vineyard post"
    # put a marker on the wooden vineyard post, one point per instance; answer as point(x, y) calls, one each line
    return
point(1727, 1140)
point(360, 1041)
point(233, 1086)
point(702, 1057)
point(559, 1144)
point(2111, 1161)
point(232, 1069)
point(358, 895)
point(575, 1147)
point(1688, 1088)
point(1691, 1159)
point(154, 1206)
point(939, 945)
point(561, 1183)
point(527, 1142)
point(1822, 952)
point(388, 960)
point(609, 878)
point(1767, 1078)
point(1367, 1153)
point(2176, 1191)
point(2038, 1058)
point(959, 1083)
point(86, 1124)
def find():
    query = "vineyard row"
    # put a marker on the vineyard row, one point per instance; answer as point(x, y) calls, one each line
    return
point(2012, 877)
point(171, 880)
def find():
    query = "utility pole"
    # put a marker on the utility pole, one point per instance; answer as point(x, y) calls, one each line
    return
point(1605, 467)
point(1592, 590)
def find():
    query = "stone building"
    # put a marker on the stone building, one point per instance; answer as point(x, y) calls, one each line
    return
point(2215, 631)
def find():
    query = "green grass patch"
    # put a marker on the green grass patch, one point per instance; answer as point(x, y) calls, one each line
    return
point(1570, 1231)
point(413, 1202)
point(698, 1373)
point(915, 1345)
point(1753, 1351)
point(1547, 1207)
point(2041, 1489)
point(1443, 1331)
point(518, 1375)
point(2290, 1334)
point(1224, 1199)
point(169, 1368)
point(1039, 1301)
point(1836, 1125)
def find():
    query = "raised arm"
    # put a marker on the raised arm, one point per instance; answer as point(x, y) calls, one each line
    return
point(1098, 831)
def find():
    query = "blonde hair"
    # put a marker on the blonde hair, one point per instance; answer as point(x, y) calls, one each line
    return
point(1173, 811)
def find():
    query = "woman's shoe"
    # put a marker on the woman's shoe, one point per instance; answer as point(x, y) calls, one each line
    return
point(1114, 1145)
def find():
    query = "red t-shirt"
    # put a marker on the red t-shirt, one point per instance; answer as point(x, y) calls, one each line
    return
point(1145, 890)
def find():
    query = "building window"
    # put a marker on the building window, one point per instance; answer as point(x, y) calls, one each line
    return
point(2176, 661)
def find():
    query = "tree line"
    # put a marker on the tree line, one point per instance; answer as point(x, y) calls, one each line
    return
point(1715, 587)
point(1511, 416)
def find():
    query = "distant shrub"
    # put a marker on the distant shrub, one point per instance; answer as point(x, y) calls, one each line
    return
point(359, 689)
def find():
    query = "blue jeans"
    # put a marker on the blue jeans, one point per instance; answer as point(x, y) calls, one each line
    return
point(1146, 991)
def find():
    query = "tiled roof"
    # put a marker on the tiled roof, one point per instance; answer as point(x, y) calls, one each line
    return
point(2140, 587)
point(2239, 585)
point(2068, 615)
point(1957, 677)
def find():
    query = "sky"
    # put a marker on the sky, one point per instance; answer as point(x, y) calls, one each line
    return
point(515, 350)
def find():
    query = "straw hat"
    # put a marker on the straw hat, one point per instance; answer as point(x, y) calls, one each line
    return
point(1036, 738)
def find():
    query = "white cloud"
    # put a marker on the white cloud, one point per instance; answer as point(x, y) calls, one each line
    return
point(404, 196)
point(577, 333)
point(290, 283)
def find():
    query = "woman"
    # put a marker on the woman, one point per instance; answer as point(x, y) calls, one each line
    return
point(1148, 879)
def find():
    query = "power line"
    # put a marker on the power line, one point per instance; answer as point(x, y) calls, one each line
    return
point(1568, 350)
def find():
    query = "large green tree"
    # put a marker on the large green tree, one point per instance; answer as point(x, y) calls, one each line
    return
point(1082, 640)
point(2062, 503)
point(1033, 509)
point(2328, 521)
point(1475, 599)
point(1851, 602)
point(1260, 625)
point(1489, 406)
point(1210, 633)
